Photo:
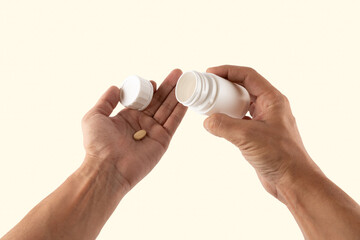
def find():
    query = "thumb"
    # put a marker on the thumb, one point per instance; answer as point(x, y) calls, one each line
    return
point(232, 129)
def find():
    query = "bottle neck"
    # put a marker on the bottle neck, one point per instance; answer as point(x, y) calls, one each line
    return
point(197, 90)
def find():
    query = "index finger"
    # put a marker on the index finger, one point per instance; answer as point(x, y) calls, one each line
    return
point(248, 77)
point(162, 93)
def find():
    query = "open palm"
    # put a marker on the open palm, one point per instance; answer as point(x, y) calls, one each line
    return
point(111, 138)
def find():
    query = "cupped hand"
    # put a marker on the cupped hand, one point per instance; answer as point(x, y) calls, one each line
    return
point(270, 141)
point(109, 140)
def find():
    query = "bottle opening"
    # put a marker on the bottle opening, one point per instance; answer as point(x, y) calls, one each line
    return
point(185, 87)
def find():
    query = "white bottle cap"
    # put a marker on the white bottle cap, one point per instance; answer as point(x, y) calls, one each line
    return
point(136, 93)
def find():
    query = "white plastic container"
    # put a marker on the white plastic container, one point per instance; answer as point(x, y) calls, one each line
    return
point(136, 93)
point(208, 93)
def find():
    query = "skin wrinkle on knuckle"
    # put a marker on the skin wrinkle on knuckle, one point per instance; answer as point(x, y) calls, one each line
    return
point(286, 99)
point(215, 123)
point(289, 120)
point(167, 107)
point(251, 71)
point(274, 99)
point(277, 97)
point(176, 117)
point(84, 118)
point(88, 116)
point(293, 120)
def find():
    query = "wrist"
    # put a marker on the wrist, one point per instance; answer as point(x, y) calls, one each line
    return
point(317, 203)
point(298, 180)
point(102, 171)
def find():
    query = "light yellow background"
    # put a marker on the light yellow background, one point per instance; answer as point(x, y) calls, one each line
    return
point(58, 57)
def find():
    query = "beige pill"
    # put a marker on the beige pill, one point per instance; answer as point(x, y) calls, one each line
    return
point(139, 134)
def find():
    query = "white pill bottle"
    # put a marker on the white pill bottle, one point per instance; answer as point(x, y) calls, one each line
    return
point(207, 93)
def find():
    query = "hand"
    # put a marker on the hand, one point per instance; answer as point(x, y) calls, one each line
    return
point(270, 141)
point(109, 140)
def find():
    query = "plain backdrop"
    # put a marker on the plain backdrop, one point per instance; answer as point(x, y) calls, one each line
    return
point(58, 57)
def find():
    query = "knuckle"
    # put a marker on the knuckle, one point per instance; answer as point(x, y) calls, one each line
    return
point(277, 97)
point(250, 69)
point(177, 117)
point(85, 118)
point(286, 100)
point(168, 106)
point(216, 122)
point(290, 119)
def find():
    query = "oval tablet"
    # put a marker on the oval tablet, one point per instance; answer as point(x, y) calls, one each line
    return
point(139, 134)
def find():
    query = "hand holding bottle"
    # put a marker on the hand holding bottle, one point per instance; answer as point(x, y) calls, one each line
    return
point(270, 141)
